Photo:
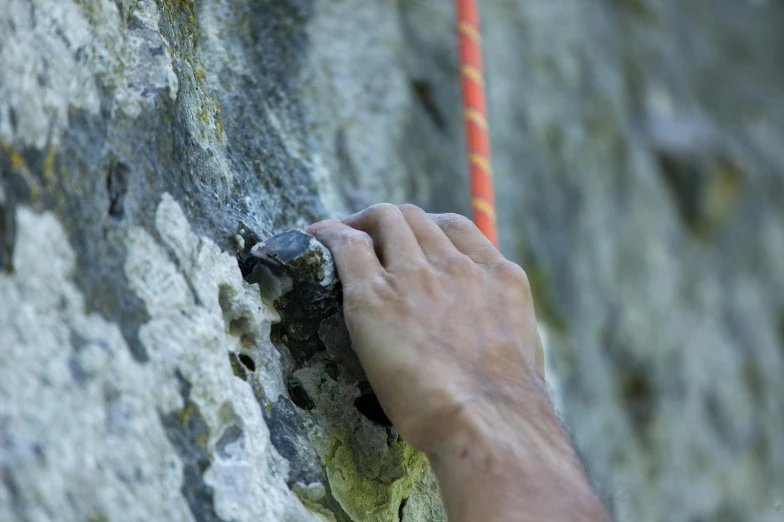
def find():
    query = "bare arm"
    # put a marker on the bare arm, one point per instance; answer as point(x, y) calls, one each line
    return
point(445, 329)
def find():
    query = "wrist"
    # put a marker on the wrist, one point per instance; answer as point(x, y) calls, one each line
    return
point(513, 442)
point(514, 421)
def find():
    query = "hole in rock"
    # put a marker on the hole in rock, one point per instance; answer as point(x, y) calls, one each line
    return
point(237, 327)
point(300, 397)
point(401, 508)
point(247, 362)
point(237, 367)
point(117, 187)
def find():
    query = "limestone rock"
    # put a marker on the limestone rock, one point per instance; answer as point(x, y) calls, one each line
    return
point(147, 145)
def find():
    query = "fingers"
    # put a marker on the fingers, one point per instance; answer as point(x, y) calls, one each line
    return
point(432, 240)
point(385, 235)
point(393, 239)
point(352, 250)
point(467, 238)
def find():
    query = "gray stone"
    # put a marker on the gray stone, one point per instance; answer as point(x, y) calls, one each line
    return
point(146, 146)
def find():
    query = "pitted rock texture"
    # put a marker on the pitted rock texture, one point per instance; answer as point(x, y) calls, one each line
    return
point(146, 144)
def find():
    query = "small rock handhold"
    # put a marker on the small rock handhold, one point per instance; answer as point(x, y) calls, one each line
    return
point(290, 259)
point(297, 274)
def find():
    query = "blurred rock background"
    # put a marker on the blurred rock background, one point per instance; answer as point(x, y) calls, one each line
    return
point(639, 165)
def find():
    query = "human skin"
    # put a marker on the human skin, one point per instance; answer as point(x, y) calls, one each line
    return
point(445, 329)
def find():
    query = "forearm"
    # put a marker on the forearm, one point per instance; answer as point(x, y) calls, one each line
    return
point(504, 463)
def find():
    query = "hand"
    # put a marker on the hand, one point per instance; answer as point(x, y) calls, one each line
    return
point(445, 329)
point(438, 317)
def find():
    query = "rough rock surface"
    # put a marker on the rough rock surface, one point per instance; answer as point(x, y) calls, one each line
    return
point(145, 144)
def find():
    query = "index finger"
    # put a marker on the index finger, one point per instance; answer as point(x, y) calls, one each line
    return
point(352, 250)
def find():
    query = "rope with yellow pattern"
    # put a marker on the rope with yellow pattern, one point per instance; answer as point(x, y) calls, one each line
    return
point(475, 117)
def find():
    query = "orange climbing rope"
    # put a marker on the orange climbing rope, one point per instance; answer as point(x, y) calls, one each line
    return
point(475, 115)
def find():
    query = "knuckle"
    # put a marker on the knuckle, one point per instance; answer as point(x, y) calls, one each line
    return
point(513, 274)
point(382, 288)
point(358, 298)
point(382, 215)
point(409, 209)
point(464, 269)
point(458, 219)
point(384, 211)
point(420, 268)
point(368, 294)
point(353, 236)
point(460, 263)
point(363, 239)
point(455, 222)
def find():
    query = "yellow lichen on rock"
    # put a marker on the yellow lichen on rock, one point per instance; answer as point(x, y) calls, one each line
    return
point(372, 496)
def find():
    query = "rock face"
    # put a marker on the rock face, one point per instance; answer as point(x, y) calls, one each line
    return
point(147, 145)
